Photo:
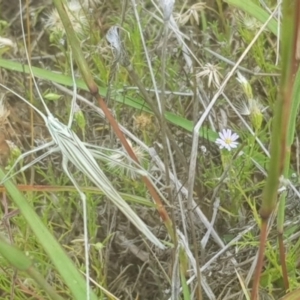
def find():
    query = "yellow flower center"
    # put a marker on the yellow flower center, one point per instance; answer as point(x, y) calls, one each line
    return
point(228, 141)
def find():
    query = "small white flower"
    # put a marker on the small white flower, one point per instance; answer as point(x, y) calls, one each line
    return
point(227, 139)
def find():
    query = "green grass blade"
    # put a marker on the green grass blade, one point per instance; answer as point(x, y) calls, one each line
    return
point(43, 74)
point(294, 109)
point(14, 256)
point(255, 11)
point(135, 103)
point(73, 279)
point(20, 261)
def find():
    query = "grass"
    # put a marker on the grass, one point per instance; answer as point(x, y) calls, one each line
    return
point(228, 184)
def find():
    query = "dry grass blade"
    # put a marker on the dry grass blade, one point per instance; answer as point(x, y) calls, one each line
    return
point(84, 161)
point(88, 78)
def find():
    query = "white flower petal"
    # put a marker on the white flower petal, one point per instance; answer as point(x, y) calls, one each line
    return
point(234, 137)
point(221, 135)
point(224, 134)
point(228, 133)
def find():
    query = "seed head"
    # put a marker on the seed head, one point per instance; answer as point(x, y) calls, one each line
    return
point(76, 15)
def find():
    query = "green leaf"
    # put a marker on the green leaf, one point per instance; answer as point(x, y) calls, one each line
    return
point(64, 266)
point(20, 261)
point(255, 11)
point(14, 256)
point(135, 103)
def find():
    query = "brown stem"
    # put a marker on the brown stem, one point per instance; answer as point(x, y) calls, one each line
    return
point(283, 261)
point(260, 259)
point(160, 207)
